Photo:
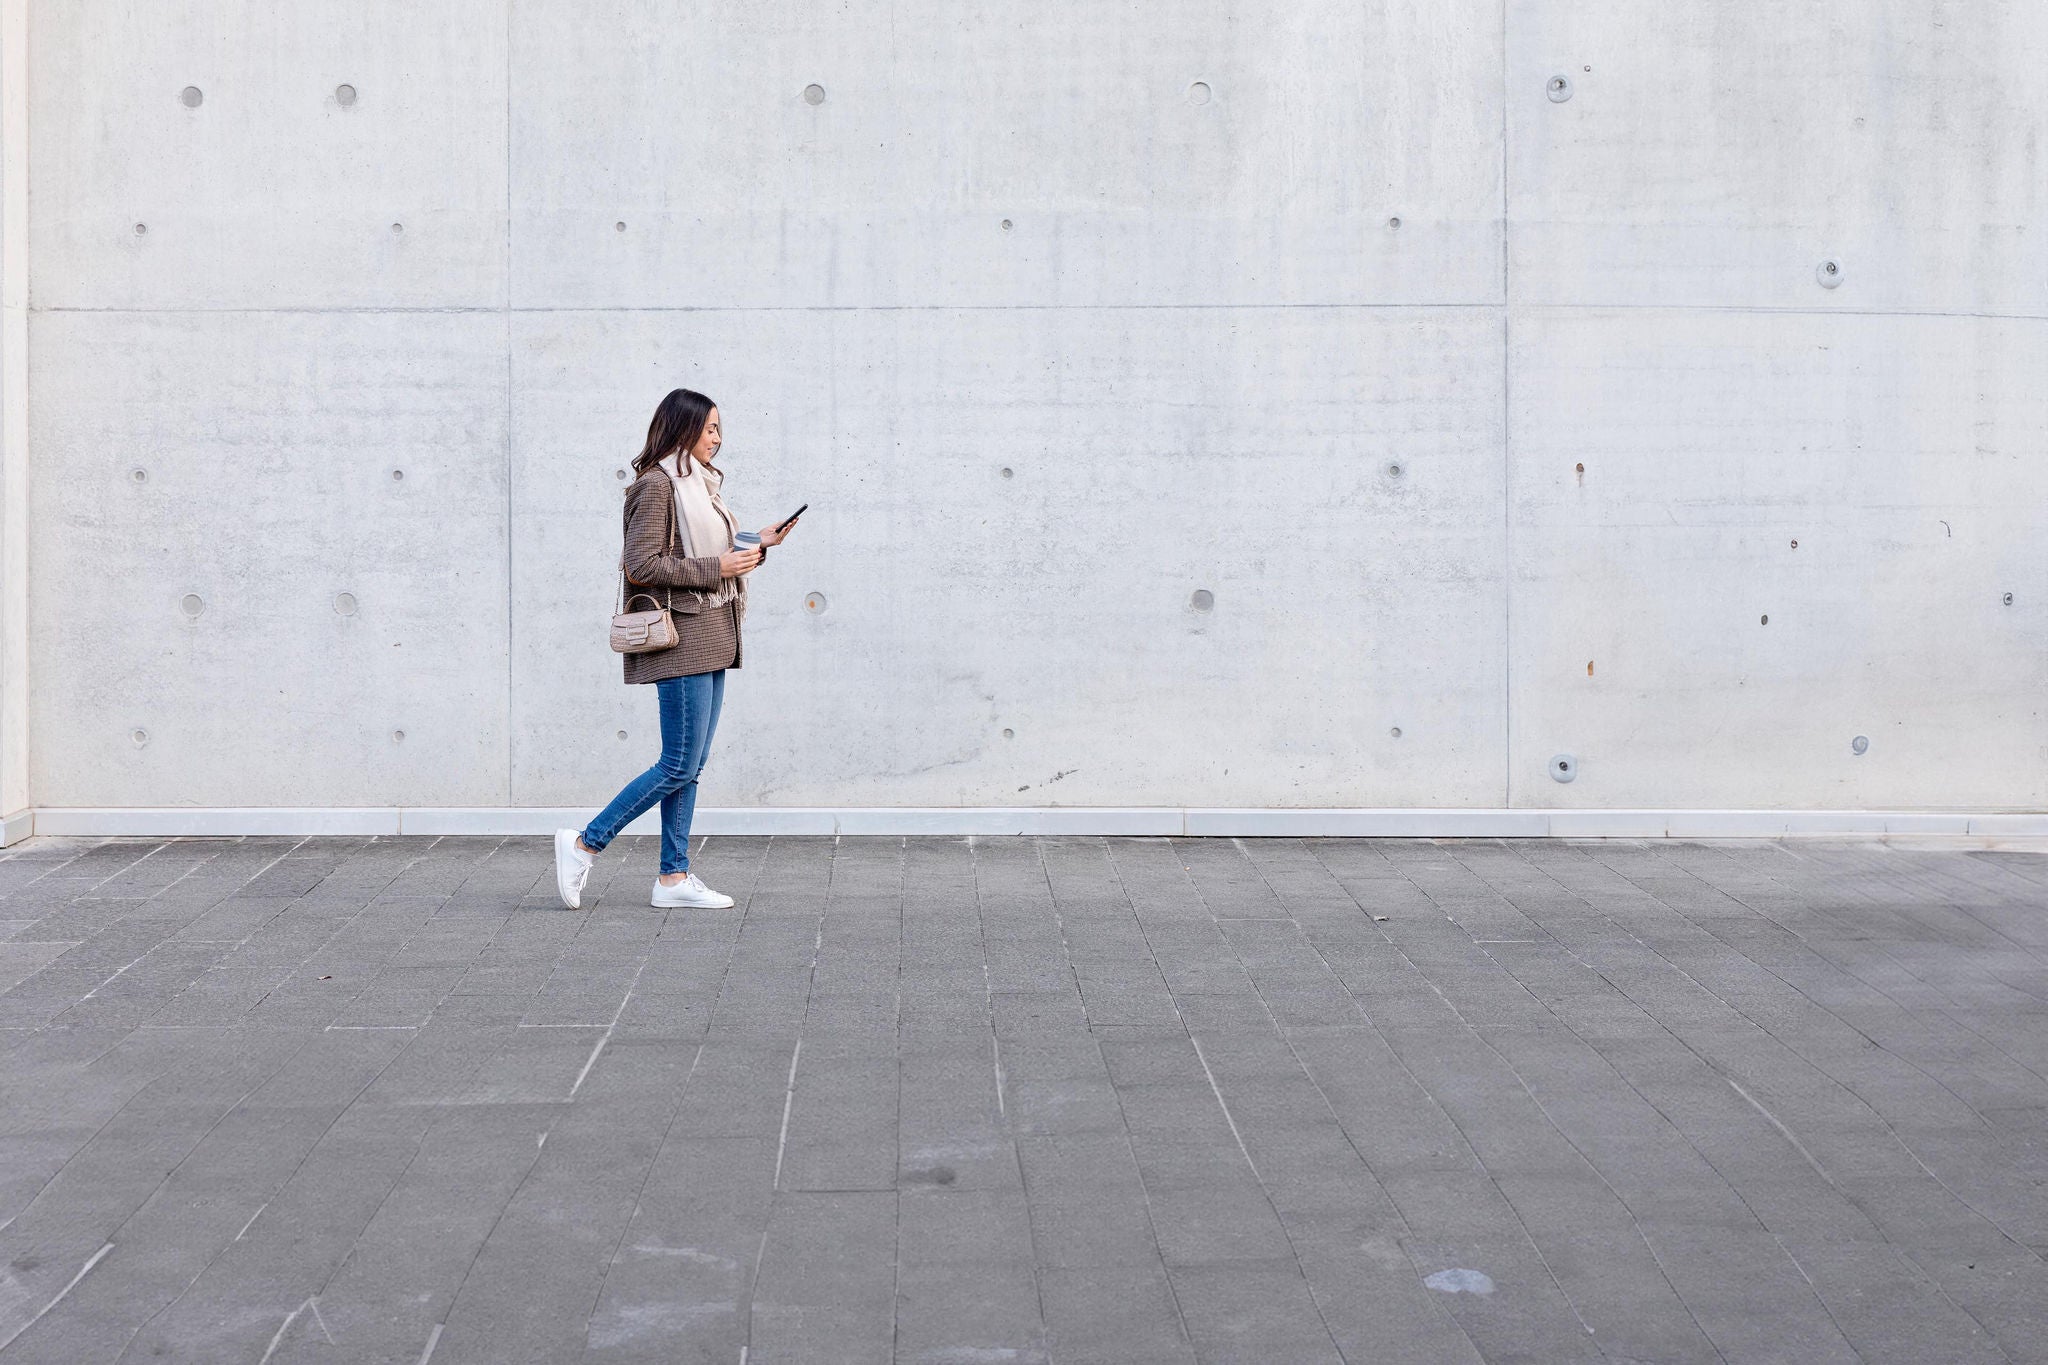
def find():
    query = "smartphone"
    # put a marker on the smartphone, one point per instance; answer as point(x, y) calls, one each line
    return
point(784, 525)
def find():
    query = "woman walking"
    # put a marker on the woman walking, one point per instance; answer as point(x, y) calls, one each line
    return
point(679, 553)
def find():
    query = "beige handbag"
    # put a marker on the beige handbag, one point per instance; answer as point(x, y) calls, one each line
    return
point(643, 632)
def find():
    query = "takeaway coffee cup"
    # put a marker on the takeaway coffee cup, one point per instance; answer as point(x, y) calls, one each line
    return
point(746, 540)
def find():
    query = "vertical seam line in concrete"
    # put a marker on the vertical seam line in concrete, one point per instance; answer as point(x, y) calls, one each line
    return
point(1507, 468)
point(511, 659)
point(15, 487)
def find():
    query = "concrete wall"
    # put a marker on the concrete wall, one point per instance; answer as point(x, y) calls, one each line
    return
point(16, 818)
point(1489, 420)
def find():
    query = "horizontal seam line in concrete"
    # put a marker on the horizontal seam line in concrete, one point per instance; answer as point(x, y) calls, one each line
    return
point(1440, 306)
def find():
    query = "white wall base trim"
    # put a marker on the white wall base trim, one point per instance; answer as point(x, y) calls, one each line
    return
point(1981, 828)
point(16, 827)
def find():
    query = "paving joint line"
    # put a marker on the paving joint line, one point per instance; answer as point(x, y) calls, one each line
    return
point(1107, 848)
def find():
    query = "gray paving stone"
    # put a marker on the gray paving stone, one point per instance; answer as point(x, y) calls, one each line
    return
point(968, 1311)
point(528, 1296)
point(1113, 1315)
point(287, 1251)
point(1063, 1099)
point(1368, 1290)
point(1889, 1308)
point(1252, 1312)
point(1087, 1202)
point(827, 1281)
point(404, 1271)
point(212, 1194)
point(678, 1286)
point(952, 1129)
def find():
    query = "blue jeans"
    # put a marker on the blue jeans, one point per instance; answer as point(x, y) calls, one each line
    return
point(689, 714)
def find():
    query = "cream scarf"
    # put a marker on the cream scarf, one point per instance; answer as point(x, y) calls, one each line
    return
point(701, 514)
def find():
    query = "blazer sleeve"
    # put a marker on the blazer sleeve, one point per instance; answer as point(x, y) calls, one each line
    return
point(648, 560)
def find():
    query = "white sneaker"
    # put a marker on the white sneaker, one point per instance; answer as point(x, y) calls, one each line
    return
point(572, 868)
point(688, 894)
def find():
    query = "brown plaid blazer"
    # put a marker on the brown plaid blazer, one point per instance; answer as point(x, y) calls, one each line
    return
point(707, 635)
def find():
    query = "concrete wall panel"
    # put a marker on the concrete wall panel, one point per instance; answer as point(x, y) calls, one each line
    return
point(14, 788)
point(270, 192)
point(1153, 453)
point(1072, 120)
point(1901, 454)
point(267, 446)
point(1718, 154)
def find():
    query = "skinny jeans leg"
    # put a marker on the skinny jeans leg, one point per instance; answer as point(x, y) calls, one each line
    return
point(689, 711)
point(679, 807)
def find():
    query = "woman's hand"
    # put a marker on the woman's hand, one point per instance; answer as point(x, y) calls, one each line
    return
point(733, 563)
point(775, 535)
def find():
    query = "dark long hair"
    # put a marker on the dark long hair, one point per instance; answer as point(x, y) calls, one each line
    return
point(678, 422)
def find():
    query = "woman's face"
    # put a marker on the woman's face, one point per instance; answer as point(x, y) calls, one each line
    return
point(706, 449)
